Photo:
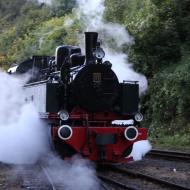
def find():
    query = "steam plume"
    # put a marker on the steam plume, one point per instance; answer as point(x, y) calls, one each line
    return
point(22, 136)
point(140, 148)
point(74, 173)
point(91, 12)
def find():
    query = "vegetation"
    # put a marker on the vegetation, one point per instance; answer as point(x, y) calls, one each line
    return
point(31, 28)
point(161, 50)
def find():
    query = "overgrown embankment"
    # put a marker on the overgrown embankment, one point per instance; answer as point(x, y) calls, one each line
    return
point(161, 51)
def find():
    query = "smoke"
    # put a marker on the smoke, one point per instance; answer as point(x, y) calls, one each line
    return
point(71, 174)
point(23, 139)
point(140, 148)
point(124, 70)
point(22, 134)
point(114, 35)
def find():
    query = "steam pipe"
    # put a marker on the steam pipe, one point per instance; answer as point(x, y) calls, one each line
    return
point(90, 45)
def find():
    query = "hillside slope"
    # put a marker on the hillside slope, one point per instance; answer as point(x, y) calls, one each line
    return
point(161, 50)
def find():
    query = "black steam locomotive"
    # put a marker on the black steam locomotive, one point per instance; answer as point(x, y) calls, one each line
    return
point(83, 102)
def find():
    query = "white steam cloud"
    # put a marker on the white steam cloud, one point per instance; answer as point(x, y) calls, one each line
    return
point(23, 140)
point(75, 173)
point(22, 134)
point(114, 36)
point(140, 148)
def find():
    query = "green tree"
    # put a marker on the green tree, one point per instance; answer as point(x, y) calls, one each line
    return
point(62, 7)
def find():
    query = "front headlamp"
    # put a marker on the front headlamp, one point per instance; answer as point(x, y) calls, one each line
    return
point(99, 53)
point(64, 115)
point(138, 117)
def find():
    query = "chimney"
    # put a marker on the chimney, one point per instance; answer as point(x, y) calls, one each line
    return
point(90, 43)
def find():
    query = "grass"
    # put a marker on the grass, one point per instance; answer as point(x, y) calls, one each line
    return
point(180, 142)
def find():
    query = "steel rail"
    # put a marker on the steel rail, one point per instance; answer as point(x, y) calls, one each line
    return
point(148, 177)
point(103, 185)
point(31, 182)
point(170, 155)
point(116, 183)
point(48, 177)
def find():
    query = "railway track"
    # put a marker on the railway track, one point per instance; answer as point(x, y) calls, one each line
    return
point(103, 186)
point(170, 155)
point(133, 175)
point(52, 185)
point(37, 178)
point(115, 183)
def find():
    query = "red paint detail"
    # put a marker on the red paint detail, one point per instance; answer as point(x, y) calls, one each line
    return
point(96, 124)
point(79, 114)
point(107, 116)
point(54, 133)
point(53, 116)
point(87, 146)
point(48, 115)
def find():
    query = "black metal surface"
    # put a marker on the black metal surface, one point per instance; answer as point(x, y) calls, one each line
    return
point(95, 88)
point(40, 62)
point(64, 52)
point(35, 63)
point(90, 42)
point(105, 139)
point(129, 98)
point(25, 66)
point(54, 97)
point(77, 59)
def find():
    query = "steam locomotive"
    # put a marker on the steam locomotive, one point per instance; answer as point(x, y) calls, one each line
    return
point(84, 104)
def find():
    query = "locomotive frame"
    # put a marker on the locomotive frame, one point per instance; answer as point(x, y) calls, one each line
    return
point(83, 103)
